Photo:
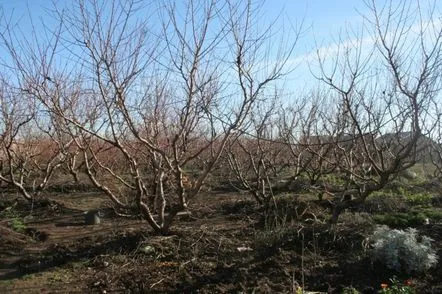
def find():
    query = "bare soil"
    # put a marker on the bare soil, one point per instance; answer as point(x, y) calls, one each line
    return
point(227, 245)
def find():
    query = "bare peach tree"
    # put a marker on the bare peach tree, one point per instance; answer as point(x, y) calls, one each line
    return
point(257, 158)
point(383, 86)
point(148, 97)
point(30, 149)
point(309, 134)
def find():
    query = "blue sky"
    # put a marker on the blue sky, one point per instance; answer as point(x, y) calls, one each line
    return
point(324, 17)
point(322, 21)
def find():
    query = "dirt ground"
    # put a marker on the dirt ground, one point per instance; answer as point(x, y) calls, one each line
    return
point(226, 245)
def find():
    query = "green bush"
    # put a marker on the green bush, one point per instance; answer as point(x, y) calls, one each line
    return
point(434, 214)
point(413, 218)
point(18, 225)
point(396, 200)
point(423, 198)
point(400, 219)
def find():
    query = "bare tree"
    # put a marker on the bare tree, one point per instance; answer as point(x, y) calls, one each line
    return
point(144, 103)
point(30, 150)
point(311, 138)
point(256, 159)
point(383, 93)
point(436, 143)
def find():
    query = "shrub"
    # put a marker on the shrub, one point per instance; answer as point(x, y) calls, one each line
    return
point(415, 217)
point(401, 251)
point(434, 214)
point(423, 198)
point(415, 198)
point(385, 201)
point(18, 225)
point(401, 219)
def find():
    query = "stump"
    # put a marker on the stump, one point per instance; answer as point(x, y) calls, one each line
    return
point(91, 217)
